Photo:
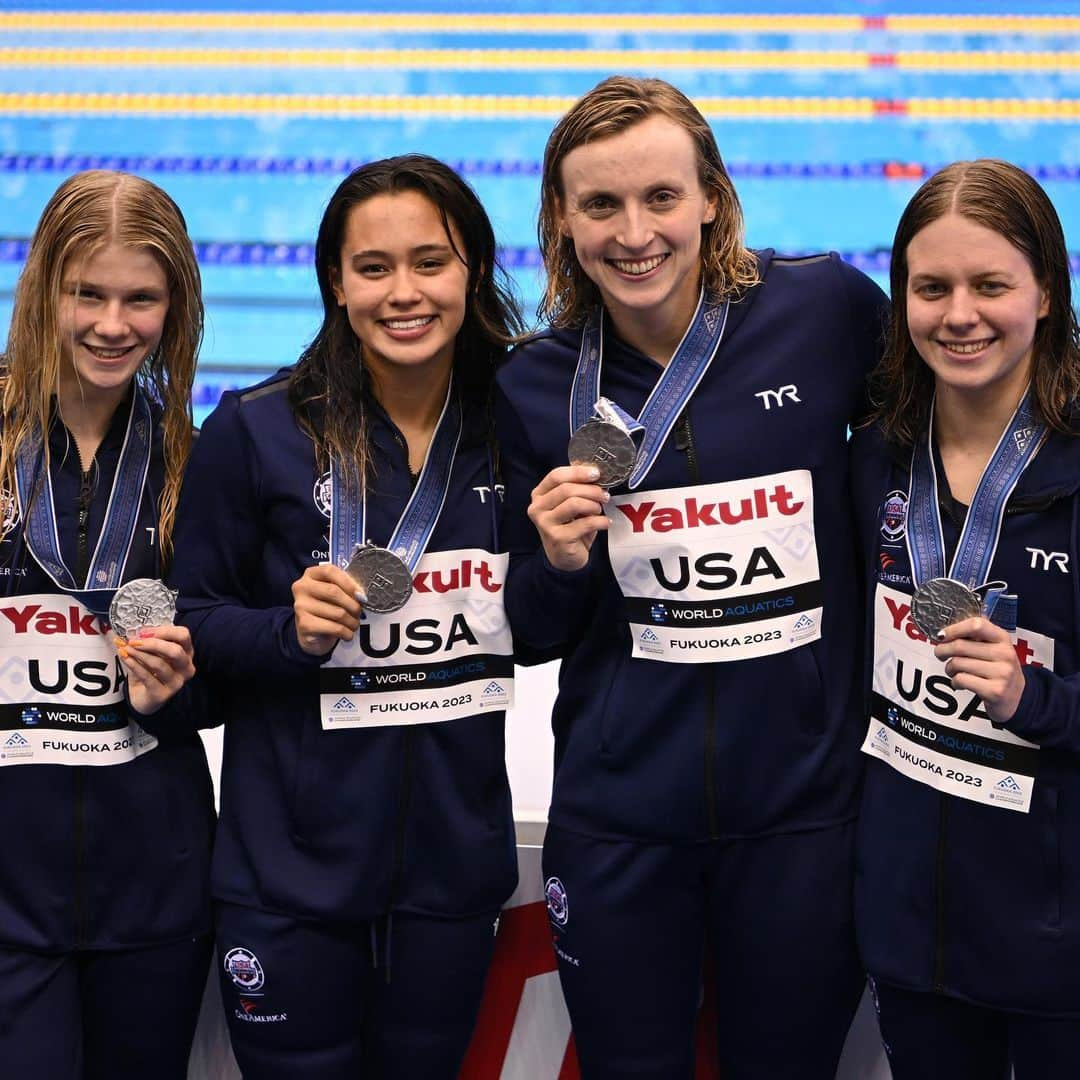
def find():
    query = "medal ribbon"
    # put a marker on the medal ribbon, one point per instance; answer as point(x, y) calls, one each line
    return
point(417, 522)
point(1019, 443)
point(672, 391)
point(114, 544)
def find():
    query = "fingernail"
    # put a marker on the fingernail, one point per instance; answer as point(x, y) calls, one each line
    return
point(593, 473)
point(940, 635)
point(359, 594)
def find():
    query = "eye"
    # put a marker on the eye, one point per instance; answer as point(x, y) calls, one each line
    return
point(664, 198)
point(929, 290)
point(371, 269)
point(598, 204)
point(431, 265)
point(992, 287)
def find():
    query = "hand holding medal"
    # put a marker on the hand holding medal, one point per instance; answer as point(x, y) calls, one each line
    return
point(157, 656)
point(567, 508)
point(326, 608)
point(980, 657)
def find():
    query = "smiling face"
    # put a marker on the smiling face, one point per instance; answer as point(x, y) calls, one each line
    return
point(973, 305)
point(402, 284)
point(633, 205)
point(112, 313)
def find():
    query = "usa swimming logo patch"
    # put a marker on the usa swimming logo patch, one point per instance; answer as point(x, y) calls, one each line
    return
point(557, 904)
point(243, 967)
point(894, 516)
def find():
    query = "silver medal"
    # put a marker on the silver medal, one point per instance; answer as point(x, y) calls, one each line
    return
point(383, 577)
point(605, 445)
point(141, 603)
point(940, 602)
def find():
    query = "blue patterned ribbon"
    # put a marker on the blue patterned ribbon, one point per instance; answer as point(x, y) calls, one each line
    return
point(417, 522)
point(110, 557)
point(672, 391)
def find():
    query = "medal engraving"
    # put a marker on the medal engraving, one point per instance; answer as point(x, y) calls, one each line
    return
point(141, 603)
point(383, 577)
point(940, 602)
point(605, 445)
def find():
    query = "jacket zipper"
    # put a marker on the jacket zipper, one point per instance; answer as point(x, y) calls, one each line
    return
point(86, 494)
point(684, 441)
point(86, 491)
point(405, 791)
point(939, 945)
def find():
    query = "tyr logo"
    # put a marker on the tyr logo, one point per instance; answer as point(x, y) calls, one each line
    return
point(1060, 559)
point(791, 392)
point(485, 491)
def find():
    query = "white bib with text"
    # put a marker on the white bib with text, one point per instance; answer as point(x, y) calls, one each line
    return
point(62, 687)
point(445, 655)
point(934, 734)
point(718, 571)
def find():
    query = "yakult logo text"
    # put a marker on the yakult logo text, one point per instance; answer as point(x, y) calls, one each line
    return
point(34, 619)
point(900, 615)
point(462, 576)
point(691, 514)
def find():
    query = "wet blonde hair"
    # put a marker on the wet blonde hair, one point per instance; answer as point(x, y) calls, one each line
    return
point(87, 212)
point(611, 107)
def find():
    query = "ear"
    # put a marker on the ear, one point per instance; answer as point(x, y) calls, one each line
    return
point(560, 219)
point(711, 202)
point(1044, 304)
point(335, 284)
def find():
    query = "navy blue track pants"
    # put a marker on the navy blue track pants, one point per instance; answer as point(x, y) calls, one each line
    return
point(395, 999)
point(632, 923)
point(933, 1037)
point(128, 1014)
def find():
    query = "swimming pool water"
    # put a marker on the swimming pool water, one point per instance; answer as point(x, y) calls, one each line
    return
point(828, 117)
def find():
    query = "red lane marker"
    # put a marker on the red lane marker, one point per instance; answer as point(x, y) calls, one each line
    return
point(874, 22)
point(903, 170)
point(883, 107)
point(883, 59)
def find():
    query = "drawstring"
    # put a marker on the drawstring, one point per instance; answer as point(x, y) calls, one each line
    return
point(388, 935)
point(389, 939)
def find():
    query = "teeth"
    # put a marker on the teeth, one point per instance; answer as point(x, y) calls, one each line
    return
point(966, 348)
point(640, 267)
point(408, 324)
point(108, 354)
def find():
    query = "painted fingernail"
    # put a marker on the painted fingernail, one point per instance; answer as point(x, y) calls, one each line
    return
point(361, 596)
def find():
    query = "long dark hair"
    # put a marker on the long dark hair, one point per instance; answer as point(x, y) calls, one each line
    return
point(1001, 197)
point(329, 383)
